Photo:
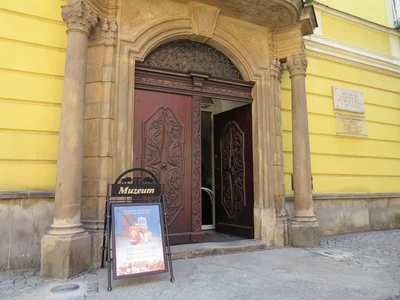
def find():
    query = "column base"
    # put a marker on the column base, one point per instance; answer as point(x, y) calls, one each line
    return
point(65, 256)
point(304, 234)
point(281, 231)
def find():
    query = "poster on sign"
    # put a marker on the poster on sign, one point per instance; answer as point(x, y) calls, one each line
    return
point(138, 239)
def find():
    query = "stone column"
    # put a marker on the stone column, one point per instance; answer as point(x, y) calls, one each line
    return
point(281, 234)
point(66, 249)
point(304, 223)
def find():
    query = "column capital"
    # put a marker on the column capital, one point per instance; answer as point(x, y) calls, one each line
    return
point(276, 68)
point(297, 64)
point(79, 16)
point(104, 31)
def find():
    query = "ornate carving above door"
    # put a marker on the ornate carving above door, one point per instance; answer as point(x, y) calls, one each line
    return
point(185, 55)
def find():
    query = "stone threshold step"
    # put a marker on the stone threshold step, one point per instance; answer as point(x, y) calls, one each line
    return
point(207, 249)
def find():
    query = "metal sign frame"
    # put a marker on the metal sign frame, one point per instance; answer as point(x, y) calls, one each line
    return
point(127, 191)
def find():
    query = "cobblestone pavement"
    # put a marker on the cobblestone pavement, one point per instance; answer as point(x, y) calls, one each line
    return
point(371, 255)
point(377, 252)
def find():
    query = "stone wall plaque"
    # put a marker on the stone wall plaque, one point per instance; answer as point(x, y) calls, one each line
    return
point(349, 100)
point(351, 124)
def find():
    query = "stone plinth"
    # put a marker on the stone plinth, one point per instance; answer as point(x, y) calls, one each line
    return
point(65, 256)
point(305, 234)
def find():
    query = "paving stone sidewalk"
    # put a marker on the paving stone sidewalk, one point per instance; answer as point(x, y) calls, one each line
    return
point(27, 284)
point(377, 252)
point(352, 266)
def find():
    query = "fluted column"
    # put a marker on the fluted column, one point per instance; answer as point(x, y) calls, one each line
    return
point(304, 223)
point(66, 248)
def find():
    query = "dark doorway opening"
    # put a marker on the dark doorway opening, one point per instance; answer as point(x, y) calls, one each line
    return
point(227, 168)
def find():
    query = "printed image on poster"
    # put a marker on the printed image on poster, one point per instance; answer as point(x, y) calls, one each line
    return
point(138, 239)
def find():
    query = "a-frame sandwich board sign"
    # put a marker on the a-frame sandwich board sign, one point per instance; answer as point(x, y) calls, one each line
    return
point(135, 239)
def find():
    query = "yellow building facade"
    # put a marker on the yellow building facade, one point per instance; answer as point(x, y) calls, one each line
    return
point(355, 174)
point(354, 48)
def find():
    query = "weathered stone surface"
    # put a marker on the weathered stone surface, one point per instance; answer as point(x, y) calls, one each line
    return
point(93, 92)
point(343, 214)
point(305, 234)
point(394, 213)
point(97, 242)
point(89, 207)
point(281, 232)
point(65, 256)
point(356, 215)
point(331, 216)
point(24, 221)
point(268, 219)
point(378, 214)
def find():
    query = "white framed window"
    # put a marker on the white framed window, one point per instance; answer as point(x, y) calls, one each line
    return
point(396, 9)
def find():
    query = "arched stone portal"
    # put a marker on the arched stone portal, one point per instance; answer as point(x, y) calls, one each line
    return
point(255, 35)
point(199, 71)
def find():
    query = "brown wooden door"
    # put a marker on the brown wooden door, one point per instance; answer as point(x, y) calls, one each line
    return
point(234, 172)
point(162, 144)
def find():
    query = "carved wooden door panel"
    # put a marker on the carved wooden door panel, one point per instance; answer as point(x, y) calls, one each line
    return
point(234, 172)
point(162, 144)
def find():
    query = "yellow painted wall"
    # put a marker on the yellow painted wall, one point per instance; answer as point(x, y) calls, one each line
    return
point(343, 164)
point(372, 10)
point(343, 31)
point(32, 58)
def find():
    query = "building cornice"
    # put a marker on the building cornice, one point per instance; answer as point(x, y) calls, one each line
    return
point(321, 47)
point(354, 20)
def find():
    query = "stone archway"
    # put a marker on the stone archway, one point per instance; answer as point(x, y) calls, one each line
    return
point(252, 34)
point(185, 67)
point(252, 66)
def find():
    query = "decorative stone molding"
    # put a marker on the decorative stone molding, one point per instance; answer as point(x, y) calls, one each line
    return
point(79, 16)
point(204, 19)
point(103, 7)
point(354, 20)
point(105, 31)
point(165, 28)
point(136, 13)
point(255, 43)
point(276, 68)
point(351, 63)
point(297, 64)
point(272, 45)
point(264, 12)
point(183, 55)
